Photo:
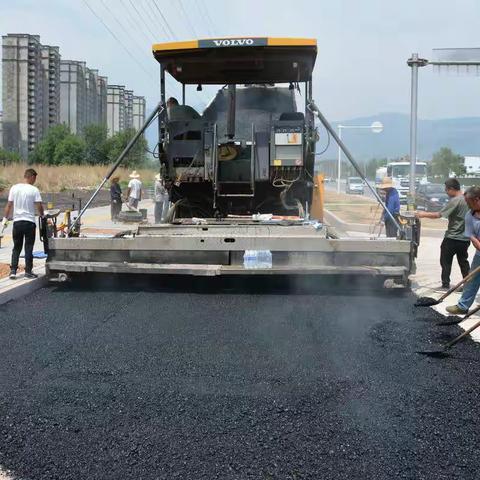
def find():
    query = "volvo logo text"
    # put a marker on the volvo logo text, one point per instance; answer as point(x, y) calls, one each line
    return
point(233, 42)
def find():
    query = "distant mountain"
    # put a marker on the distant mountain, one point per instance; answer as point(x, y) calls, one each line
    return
point(462, 135)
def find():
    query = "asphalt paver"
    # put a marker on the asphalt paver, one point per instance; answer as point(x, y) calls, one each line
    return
point(136, 381)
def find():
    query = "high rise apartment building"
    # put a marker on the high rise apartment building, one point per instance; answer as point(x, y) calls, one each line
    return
point(23, 92)
point(41, 90)
point(73, 95)
point(115, 109)
point(102, 85)
point(51, 84)
point(138, 114)
point(128, 109)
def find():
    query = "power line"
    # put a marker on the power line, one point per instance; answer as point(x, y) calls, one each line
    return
point(184, 12)
point(209, 18)
point(118, 40)
point(165, 20)
point(171, 84)
point(135, 8)
point(133, 22)
point(154, 21)
point(121, 26)
point(202, 14)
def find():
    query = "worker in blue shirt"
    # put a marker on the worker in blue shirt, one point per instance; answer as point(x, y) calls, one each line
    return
point(392, 202)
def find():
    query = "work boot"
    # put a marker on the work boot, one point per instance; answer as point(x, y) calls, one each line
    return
point(456, 310)
point(13, 274)
point(31, 275)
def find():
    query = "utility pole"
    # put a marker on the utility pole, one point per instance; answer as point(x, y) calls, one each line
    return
point(414, 62)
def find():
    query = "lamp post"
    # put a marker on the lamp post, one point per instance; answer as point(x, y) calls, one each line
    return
point(375, 127)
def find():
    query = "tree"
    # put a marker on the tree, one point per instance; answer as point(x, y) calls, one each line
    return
point(445, 162)
point(373, 165)
point(6, 157)
point(70, 151)
point(137, 156)
point(44, 152)
point(96, 144)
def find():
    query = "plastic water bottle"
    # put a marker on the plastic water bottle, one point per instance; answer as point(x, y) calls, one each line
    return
point(249, 259)
point(264, 259)
point(255, 259)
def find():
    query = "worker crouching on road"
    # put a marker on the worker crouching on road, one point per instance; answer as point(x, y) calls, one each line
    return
point(454, 241)
point(134, 192)
point(23, 198)
point(472, 231)
point(392, 202)
point(115, 198)
point(161, 199)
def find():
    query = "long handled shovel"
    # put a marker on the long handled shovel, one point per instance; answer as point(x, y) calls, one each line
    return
point(455, 319)
point(430, 302)
point(442, 351)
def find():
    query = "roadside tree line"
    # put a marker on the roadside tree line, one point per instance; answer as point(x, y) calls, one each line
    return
point(444, 162)
point(93, 147)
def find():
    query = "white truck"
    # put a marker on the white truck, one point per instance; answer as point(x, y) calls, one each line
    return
point(399, 172)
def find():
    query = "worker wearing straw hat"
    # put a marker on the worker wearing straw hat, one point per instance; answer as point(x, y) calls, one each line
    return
point(392, 202)
point(134, 192)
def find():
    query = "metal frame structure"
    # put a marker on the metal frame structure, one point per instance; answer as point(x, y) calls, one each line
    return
point(415, 62)
point(216, 246)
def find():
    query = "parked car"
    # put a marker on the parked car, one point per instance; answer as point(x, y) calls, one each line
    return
point(431, 197)
point(355, 185)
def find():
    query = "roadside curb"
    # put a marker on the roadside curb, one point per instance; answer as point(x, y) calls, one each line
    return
point(13, 292)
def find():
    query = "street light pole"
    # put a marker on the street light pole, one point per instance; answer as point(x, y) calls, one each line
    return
point(414, 62)
point(339, 163)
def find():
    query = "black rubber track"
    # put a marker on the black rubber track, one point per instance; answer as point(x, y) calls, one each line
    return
point(105, 382)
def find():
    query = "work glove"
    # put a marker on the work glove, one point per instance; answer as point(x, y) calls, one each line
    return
point(4, 222)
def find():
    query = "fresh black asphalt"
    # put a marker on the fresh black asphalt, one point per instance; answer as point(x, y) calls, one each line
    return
point(128, 381)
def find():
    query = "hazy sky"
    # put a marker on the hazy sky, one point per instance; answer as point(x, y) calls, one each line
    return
point(363, 44)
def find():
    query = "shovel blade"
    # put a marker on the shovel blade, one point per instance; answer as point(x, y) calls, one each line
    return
point(451, 320)
point(438, 352)
point(426, 302)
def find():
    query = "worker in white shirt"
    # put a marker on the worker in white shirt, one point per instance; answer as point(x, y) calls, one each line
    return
point(134, 192)
point(23, 199)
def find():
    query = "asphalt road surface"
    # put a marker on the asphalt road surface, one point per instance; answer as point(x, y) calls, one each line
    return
point(205, 382)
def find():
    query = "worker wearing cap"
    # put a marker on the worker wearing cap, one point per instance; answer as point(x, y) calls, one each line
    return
point(472, 232)
point(134, 192)
point(454, 241)
point(115, 198)
point(178, 112)
point(23, 199)
point(392, 202)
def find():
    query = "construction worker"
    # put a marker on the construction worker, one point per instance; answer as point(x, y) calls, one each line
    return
point(392, 202)
point(134, 192)
point(178, 112)
point(472, 232)
point(161, 199)
point(115, 198)
point(454, 241)
point(23, 199)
